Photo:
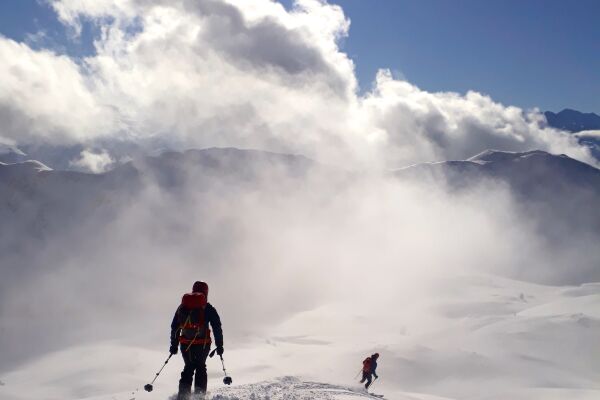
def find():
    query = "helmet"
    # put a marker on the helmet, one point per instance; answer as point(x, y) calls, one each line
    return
point(200, 287)
point(376, 355)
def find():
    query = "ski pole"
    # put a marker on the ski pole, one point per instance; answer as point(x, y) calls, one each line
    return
point(227, 380)
point(149, 387)
point(372, 383)
point(356, 376)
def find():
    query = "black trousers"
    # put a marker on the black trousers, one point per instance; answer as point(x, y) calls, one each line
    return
point(366, 377)
point(195, 363)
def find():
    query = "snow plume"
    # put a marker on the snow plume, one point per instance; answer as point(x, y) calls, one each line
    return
point(245, 74)
point(92, 161)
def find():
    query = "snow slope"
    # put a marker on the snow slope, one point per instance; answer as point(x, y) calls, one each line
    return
point(292, 388)
point(481, 337)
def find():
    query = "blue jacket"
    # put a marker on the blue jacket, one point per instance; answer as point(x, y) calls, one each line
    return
point(373, 366)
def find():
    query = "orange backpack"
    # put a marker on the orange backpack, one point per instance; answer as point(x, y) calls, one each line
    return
point(192, 320)
point(367, 365)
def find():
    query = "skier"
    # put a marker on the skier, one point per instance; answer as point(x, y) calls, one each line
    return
point(190, 332)
point(369, 367)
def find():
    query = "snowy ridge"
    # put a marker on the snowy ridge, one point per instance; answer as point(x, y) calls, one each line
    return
point(29, 165)
point(500, 339)
point(292, 388)
point(289, 388)
point(490, 156)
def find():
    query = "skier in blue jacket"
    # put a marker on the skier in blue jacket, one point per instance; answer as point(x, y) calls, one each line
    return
point(369, 370)
point(194, 346)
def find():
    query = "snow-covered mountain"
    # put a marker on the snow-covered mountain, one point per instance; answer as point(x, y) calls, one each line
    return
point(536, 176)
point(36, 200)
point(558, 191)
point(526, 172)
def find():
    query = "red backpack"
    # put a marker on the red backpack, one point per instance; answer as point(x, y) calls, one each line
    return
point(191, 316)
point(367, 365)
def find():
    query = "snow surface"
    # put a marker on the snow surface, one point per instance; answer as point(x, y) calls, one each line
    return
point(481, 337)
point(295, 389)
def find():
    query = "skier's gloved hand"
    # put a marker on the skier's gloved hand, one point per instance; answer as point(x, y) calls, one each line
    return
point(376, 377)
point(220, 350)
point(173, 349)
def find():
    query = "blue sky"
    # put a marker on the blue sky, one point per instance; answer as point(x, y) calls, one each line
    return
point(543, 53)
point(21, 20)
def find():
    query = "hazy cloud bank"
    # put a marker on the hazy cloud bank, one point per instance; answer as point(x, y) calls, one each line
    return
point(289, 236)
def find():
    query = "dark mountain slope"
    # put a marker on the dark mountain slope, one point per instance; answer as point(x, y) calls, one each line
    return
point(573, 121)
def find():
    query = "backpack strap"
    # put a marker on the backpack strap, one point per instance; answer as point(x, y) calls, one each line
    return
point(205, 327)
point(188, 320)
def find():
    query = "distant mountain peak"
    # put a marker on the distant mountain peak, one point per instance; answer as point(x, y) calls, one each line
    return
point(524, 170)
point(502, 156)
point(570, 111)
point(573, 120)
point(497, 156)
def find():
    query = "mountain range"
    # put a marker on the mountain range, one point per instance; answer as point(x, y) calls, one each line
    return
point(584, 126)
point(535, 176)
point(573, 120)
point(560, 193)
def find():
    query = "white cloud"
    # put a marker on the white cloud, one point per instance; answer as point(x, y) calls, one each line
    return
point(420, 125)
point(250, 74)
point(95, 162)
point(45, 97)
point(589, 134)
